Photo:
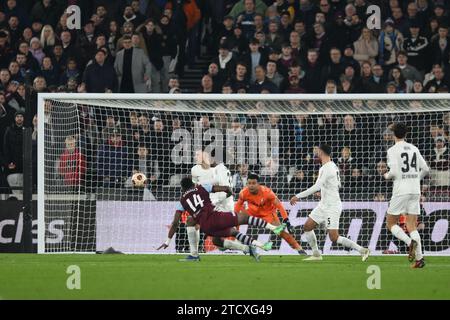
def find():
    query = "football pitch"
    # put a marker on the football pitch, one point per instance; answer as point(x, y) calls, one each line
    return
point(24, 276)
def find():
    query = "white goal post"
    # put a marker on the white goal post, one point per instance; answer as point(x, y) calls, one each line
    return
point(89, 146)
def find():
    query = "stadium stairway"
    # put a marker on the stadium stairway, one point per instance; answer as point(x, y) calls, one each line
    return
point(191, 80)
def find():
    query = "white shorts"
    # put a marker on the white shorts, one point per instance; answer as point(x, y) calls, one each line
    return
point(404, 204)
point(328, 215)
point(225, 205)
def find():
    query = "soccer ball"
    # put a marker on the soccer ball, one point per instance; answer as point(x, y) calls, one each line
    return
point(138, 179)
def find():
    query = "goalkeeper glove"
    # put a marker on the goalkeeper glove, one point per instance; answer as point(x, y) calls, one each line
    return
point(289, 226)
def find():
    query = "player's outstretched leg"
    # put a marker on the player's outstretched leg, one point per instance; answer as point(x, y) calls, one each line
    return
point(244, 218)
point(289, 238)
point(346, 242)
point(236, 245)
point(247, 240)
point(193, 235)
point(391, 224)
point(308, 228)
point(416, 247)
point(224, 244)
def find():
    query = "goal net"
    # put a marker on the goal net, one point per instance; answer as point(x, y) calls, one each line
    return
point(90, 146)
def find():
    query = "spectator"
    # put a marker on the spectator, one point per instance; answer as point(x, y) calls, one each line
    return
point(13, 151)
point(357, 183)
point(153, 41)
point(335, 68)
point(366, 47)
point(346, 163)
point(262, 83)
point(213, 72)
point(5, 77)
point(45, 11)
point(132, 68)
point(71, 72)
point(174, 84)
point(255, 57)
point(226, 31)
point(294, 85)
point(438, 80)
point(168, 51)
point(112, 162)
point(36, 50)
point(402, 85)
point(382, 187)
point(47, 39)
point(158, 141)
point(390, 42)
point(72, 164)
point(239, 80)
point(247, 18)
point(273, 75)
point(417, 87)
point(347, 58)
point(409, 72)
point(416, 47)
point(440, 46)
point(143, 163)
point(330, 87)
point(440, 164)
point(69, 50)
point(313, 79)
point(298, 49)
point(299, 180)
point(225, 61)
point(287, 59)
point(100, 77)
point(113, 37)
point(273, 38)
point(239, 180)
point(49, 73)
point(320, 41)
point(207, 85)
point(349, 135)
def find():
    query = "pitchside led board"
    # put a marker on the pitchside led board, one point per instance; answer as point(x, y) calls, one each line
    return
point(121, 225)
point(95, 213)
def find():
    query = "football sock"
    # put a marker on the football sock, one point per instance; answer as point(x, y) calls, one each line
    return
point(248, 240)
point(235, 245)
point(193, 240)
point(258, 222)
point(312, 240)
point(346, 242)
point(400, 234)
point(416, 237)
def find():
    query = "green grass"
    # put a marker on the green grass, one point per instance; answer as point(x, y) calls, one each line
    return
point(219, 277)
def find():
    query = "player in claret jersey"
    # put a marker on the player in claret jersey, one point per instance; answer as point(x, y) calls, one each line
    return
point(329, 208)
point(406, 167)
point(196, 201)
point(263, 203)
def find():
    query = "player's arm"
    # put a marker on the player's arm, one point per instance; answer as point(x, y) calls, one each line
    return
point(225, 189)
point(194, 175)
point(313, 189)
point(239, 205)
point(424, 168)
point(173, 227)
point(277, 203)
point(392, 164)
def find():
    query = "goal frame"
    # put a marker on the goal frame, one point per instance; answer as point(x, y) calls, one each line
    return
point(186, 97)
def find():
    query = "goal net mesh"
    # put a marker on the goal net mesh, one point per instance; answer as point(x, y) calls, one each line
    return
point(92, 147)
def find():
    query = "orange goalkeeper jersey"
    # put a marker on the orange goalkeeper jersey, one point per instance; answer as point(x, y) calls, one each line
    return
point(264, 203)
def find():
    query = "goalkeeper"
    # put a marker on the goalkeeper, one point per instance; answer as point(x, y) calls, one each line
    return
point(263, 203)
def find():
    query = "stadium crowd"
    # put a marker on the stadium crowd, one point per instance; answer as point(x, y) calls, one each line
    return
point(270, 46)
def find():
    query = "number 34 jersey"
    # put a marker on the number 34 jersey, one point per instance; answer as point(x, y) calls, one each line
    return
point(406, 167)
